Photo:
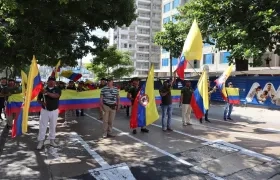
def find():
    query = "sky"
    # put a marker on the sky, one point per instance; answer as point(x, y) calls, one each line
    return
point(98, 33)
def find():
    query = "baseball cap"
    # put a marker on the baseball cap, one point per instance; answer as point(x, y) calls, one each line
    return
point(51, 78)
point(110, 79)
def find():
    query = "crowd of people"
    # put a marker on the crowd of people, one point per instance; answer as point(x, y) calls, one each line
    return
point(109, 104)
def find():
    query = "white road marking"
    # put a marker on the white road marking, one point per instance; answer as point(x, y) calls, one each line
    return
point(162, 151)
point(228, 131)
point(74, 136)
point(247, 125)
point(232, 146)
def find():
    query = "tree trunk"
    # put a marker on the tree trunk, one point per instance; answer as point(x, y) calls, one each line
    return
point(241, 64)
point(170, 62)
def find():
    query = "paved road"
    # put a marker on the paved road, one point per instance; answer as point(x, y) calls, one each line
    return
point(247, 148)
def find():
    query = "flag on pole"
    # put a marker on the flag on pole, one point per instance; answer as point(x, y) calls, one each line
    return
point(200, 97)
point(34, 86)
point(71, 75)
point(193, 45)
point(181, 67)
point(220, 82)
point(144, 110)
point(56, 70)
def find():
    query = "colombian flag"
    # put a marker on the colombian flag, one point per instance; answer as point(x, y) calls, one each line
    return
point(233, 95)
point(56, 70)
point(71, 75)
point(200, 97)
point(34, 86)
point(144, 110)
point(181, 67)
point(220, 82)
point(193, 45)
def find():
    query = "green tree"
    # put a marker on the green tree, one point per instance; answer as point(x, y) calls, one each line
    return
point(245, 28)
point(111, 62)
point(172, 39)
point(53, 30)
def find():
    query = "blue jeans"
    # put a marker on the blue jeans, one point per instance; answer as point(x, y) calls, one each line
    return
point(166, 110)
point(228, 110)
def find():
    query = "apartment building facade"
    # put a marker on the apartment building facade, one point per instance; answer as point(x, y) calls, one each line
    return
point(215, 61)
point(138, 37)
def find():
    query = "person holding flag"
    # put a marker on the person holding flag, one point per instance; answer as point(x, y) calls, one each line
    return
point(132, 95)
point(228, 107)
point(166, 103)
point(210, 91)
point(49, 99)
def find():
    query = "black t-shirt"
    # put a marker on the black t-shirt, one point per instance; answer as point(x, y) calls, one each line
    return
point(51, 103)
point(71, 88)
point(187, 95)
point(167, 99)
point(134, 91)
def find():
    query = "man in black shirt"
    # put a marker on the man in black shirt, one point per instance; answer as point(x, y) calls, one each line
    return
point(185, 100)
point(166, 103)
point(132, 94)
point(49, 99)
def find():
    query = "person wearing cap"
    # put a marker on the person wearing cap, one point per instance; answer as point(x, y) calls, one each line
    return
point(109, 102)
point(166, 103)
point(49, 100)
point(185, 101)
point(102, 84)
point(228, 107)
point(132, 94)
point(210, 91)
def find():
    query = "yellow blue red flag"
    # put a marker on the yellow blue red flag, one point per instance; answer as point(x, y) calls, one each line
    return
point(144, 109)
point(200, 97)
point(34, 86)
point(192, 49)
point(233, 95)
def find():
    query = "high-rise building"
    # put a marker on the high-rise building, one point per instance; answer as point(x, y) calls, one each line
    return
point(169, 11)
point(138, 37)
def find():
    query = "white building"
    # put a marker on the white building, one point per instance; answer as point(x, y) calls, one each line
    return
point(216, 61)
point(138, 37)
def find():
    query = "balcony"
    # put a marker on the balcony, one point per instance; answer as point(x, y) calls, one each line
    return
point(144, 16)
point(146, 8)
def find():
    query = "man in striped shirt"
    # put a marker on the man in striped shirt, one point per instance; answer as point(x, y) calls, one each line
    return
point(109, 102)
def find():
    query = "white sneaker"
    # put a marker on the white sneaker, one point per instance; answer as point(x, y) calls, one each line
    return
point(40, 145)
point(52, 143)
point(104, 135)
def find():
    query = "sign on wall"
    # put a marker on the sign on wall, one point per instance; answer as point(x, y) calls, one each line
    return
point(267, 94)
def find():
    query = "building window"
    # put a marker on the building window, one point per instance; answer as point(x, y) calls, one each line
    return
point(166, 7)
point(130, 45)
point(224, 57)
point(174, 61)
point(164, 50)
point(208, 58)
point(125, 45)
point(175, 3)
point(166, 20)
point(164, 62)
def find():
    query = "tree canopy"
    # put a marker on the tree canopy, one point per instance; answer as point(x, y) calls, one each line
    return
point(57, 30)
point(246, 28)
point(111, 63)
